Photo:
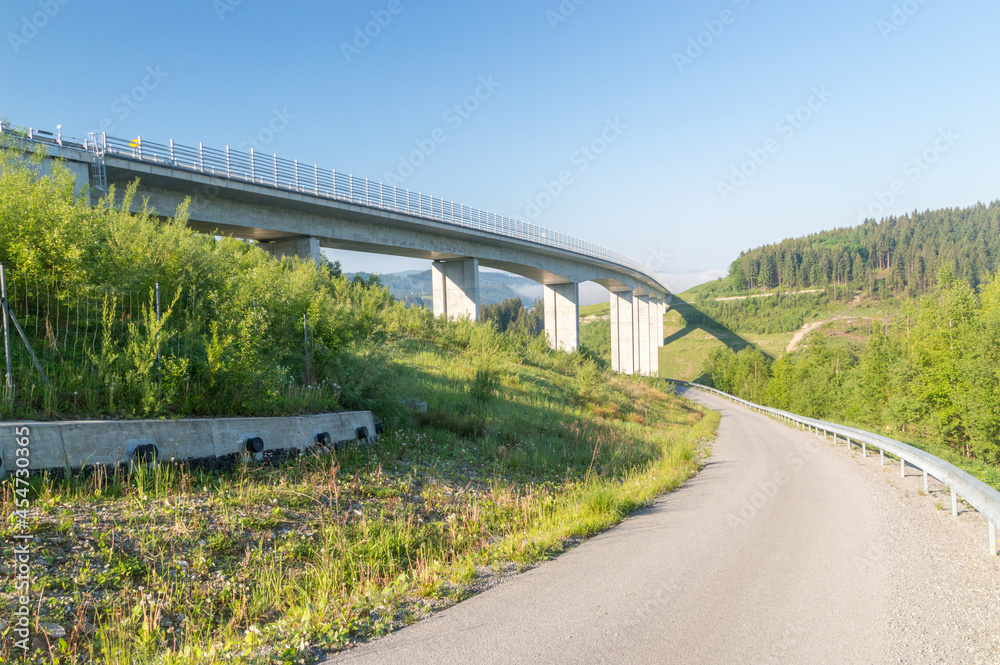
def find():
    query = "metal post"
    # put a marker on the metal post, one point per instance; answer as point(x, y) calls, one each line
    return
point(316, 178)
point(229, 170)
point(253, 172)
point(172, 159)
point(201, 157)
point(925, 482)
point(305, 335)
point(864, 449)
point(902, 467)
point(159, 318)
point(276, 169)
point(296, 175)
point(993, 539)
point(6, 330)
point(954, 503)
point(881, 454)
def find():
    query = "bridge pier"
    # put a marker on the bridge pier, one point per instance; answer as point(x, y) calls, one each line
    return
point(562, 315)
point(304, 248)
point(456, 288)
point(641, 336)
point(622, 346)
point(636, 333)
point(661, 311)
point(655, 336)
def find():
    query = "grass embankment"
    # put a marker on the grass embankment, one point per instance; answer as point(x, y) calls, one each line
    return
point(277, 563)
point(522, 449)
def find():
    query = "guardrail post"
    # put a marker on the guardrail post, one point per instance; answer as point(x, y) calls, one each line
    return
point(296, 175)
point(229, 170)
point(925, 482)
point(316, 179)
point(902, 467)
point(275, 169)
point(173, 160)
point(864, 449)
point(881, 454)
point(993, 539)
point(253, 170)
point(954, 503)
point(201, 157)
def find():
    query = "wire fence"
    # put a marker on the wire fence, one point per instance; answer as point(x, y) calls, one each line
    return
point(93, 342)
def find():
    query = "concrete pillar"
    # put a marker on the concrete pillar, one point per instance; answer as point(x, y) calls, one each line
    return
point(304, 248)
point(661, 312)
point(623, 357)
point(655, 336)
point(456, 288)
point(644, 341)
point(562, 315)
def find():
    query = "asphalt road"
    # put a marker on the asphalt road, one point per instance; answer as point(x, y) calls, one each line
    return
point(783, 549)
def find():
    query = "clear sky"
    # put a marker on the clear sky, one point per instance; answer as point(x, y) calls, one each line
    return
point(689, 131)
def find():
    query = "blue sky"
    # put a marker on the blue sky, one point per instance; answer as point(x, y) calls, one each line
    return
point(713, 127)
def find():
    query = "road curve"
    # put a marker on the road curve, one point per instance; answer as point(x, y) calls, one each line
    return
point(783, 549)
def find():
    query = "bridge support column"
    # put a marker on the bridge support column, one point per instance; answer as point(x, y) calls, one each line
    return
point(562, 315)
point(655, 337)
point(304, 248)
point(661, 311)
point(623, 356)
point(456, 288)
point(643, 340)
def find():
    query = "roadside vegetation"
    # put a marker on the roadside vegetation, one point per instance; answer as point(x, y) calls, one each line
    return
point(521, 452)
point(932, 376)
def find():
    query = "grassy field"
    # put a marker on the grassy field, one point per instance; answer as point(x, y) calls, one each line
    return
point(522, 453)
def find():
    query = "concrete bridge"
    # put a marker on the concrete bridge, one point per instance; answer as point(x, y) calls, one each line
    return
point(295, 209)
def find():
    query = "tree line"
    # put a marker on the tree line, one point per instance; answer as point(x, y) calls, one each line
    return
point(898, 255)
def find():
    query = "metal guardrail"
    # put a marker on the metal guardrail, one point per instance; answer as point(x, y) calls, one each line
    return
point(975, 492)
point(290, 175)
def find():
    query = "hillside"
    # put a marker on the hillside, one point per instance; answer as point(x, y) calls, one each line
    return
point(898, 255)
point(414, 287)
point(521, 452)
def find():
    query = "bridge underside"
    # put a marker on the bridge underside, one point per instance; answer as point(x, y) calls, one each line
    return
point(289, 223)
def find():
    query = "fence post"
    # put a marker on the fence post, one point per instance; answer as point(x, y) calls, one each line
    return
point(159, 318)
point(6, 331)
point(229, 168)
point(253, 173)
point(305, 336)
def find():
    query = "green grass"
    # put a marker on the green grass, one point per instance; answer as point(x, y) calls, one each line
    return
point(597, 309)
point(522, 452)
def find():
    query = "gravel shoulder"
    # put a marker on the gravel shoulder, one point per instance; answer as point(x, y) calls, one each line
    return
point(784, 549)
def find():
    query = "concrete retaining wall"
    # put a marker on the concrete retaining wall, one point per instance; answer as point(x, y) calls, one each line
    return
point(76, 444)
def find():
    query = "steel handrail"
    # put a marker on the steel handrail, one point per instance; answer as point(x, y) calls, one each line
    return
point(979, 495)
point(280, 173)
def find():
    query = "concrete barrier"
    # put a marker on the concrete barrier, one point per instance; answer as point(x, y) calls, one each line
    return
point(76, 444)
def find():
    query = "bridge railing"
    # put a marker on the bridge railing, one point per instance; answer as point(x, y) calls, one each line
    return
point(290, 175)
point(975, 492)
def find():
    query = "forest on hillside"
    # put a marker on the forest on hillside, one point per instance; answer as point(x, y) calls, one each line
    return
point(933, 374)
point(897, 256)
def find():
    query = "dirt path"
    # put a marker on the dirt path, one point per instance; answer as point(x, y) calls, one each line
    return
point(809, 327)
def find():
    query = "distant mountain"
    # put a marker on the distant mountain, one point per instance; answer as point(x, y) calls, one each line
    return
point(897, 255)
point(414, 287)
